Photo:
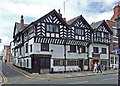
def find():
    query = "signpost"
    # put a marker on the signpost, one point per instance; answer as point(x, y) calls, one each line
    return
point(117, 51)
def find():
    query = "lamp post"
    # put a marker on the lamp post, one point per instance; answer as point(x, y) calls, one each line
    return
point(117, 21)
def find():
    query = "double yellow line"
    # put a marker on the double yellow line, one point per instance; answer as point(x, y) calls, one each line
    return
point(25, 74)
point(4, 78)
point(30, 76)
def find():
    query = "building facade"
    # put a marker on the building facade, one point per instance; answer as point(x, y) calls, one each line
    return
point(99, 50)
point(51, 45)
point(114, 38)
point(6, 53)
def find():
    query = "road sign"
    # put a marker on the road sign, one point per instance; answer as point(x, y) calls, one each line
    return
point(117, 51)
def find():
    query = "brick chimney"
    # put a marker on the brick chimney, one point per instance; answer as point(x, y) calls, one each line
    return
point(93, 22)
point(22, 22)
point(116, 12)
point(59, 12)
point(64, 19)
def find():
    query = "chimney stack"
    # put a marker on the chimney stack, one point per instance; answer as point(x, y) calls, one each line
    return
point(93, 22)
point(59, 11)
point(22, 23)
point(64, 19)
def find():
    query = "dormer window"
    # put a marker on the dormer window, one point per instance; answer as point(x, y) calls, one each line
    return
point(52, 28)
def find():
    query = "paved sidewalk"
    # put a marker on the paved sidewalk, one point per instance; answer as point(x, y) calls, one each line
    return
point(68, 74)
point(74, 74)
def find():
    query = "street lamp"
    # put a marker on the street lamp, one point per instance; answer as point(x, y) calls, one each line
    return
point(117, 21)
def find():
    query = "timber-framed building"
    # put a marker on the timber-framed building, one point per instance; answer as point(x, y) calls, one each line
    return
point(50, 44)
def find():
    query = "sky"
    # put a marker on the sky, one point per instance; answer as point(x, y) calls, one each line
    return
point(11, 11)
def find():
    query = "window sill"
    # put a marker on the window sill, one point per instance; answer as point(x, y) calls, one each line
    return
point(71, 52)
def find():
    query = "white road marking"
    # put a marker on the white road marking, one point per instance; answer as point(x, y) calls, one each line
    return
point(78, 82)
point(108, 79)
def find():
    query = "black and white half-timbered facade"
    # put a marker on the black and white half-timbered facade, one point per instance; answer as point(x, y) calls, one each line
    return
point(51, 45)
point(99, 49)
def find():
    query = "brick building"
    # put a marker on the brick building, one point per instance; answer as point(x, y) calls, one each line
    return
point(114, 38)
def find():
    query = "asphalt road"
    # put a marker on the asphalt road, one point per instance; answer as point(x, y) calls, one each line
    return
point(11, 75)
point(100, 79)
point(17, 78)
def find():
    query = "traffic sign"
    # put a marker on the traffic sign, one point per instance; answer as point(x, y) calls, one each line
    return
point(117, 51)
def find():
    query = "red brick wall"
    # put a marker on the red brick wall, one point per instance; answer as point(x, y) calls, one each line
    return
point(116, 12)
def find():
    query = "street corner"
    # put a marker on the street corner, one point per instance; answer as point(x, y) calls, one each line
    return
point(3, 78)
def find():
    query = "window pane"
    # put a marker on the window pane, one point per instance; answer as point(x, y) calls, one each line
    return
point(98, 34)
point(44, 47)
point(104, 50)
point(95, 49)
point(51, 28)
point(48, 26)
point(55, 28)
point(72, 48)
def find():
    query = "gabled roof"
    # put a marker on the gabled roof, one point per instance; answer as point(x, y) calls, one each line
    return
point(18, 28)
point(53, 11)
point(73, 21)
point(97, 24)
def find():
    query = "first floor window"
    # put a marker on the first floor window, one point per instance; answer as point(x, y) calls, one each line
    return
point(81, 49)
point(44, 47)
point(103, 50)
point(26, 47)
point(20, 51)
point(95, 49)
point(115, 45)
point(72, 48)
point(30, 48)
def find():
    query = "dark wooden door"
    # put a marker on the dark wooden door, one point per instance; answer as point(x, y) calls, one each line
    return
point(35, 65)
point(81, 64)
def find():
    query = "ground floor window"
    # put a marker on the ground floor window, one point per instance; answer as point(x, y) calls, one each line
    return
point(112, 60)
point(72, 62)
point(85, 62)
point(27, 63)
point(103, 62)
point(44, 62)
point(58, 62)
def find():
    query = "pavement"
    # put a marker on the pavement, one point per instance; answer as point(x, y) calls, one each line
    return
point(62, 75)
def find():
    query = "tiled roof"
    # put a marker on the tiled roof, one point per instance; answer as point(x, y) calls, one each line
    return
point(18, 26)
point(72, 20)
point(97, 24)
